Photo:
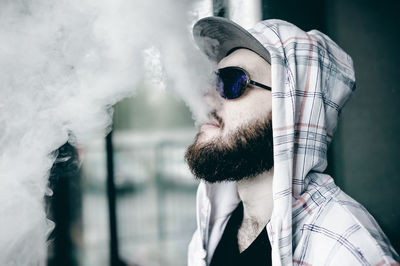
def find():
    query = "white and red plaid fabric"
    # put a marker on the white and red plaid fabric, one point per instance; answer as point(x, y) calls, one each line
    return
point(313, 221)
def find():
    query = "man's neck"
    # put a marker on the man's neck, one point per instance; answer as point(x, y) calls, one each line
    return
point(256, 195)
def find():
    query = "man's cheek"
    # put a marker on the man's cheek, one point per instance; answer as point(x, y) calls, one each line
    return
point(232, 124)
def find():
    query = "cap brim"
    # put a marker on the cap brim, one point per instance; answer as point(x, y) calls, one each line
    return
point(217, 36)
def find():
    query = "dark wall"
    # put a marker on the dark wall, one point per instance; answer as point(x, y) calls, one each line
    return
point(366, 159)
point(306, 14)
point(363, 158)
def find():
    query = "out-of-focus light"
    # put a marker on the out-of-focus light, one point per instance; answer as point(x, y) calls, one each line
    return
point(246, 13)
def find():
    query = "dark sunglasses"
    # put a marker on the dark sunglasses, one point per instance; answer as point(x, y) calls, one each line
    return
point(233, 81)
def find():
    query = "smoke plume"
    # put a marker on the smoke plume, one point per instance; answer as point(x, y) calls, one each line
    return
point(64, 64)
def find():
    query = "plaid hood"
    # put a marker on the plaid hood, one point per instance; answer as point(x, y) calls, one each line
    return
point(312, 79)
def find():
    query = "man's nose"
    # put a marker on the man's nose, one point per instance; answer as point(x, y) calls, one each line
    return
point(213, 99)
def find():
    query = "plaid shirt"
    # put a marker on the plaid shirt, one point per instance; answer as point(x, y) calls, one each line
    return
point(313, 221)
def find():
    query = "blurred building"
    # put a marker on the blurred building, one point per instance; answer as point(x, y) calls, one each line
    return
point(155, 191)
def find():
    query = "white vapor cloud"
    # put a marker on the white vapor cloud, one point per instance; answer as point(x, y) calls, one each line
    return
point(64, 64)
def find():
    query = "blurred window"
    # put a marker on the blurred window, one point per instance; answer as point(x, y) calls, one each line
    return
point(154, 188)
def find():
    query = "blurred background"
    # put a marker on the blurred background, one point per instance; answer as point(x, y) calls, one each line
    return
point(132, 201)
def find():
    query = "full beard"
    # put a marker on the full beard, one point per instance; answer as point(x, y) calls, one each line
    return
point(244, 154)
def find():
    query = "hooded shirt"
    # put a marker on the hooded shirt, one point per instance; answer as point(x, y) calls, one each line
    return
point(313, 222)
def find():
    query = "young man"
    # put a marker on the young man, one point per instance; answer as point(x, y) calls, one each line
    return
point(263, 198)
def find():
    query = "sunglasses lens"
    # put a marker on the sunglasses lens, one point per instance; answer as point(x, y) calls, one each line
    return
point(231, 82)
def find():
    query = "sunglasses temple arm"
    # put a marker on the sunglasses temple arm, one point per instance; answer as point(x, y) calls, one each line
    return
point(259, 85)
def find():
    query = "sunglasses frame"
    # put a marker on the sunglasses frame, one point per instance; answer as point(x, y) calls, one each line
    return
point(248, 81)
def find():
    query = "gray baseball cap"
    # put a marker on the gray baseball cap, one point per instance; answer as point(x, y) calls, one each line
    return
point(217, 37)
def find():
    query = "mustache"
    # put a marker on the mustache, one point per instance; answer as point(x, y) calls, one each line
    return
point(219, 119)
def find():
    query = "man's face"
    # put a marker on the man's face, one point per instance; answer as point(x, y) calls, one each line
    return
point(236, 143)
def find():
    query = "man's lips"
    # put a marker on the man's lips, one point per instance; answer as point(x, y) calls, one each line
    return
point(211, 124)
point(214, 121)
